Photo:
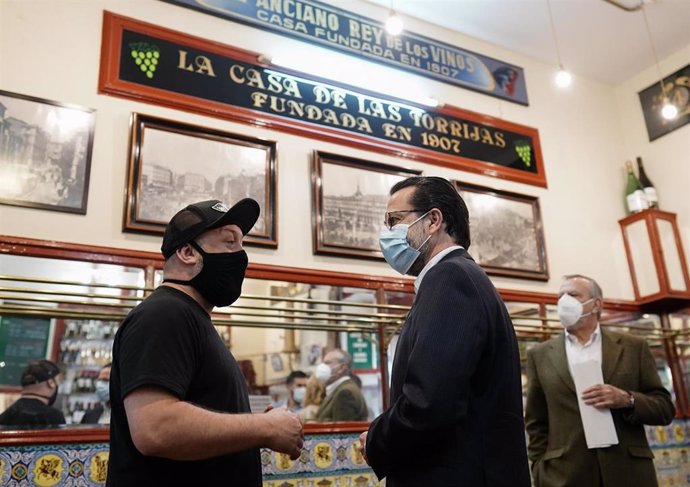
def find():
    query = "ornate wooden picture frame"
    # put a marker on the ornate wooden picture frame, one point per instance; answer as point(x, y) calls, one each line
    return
point(349, 203)
point(173, 164)
point(45, 153)
point(506, 231)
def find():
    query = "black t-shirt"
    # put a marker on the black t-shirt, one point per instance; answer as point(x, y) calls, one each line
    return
point(169, 341)
point(31, 412)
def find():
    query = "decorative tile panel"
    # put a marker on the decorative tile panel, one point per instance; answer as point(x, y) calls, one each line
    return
point(60, 465)
point(671, 447)
point(328, 460)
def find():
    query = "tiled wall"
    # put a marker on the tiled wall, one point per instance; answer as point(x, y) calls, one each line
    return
point(83, 465)
point(328, 460)
point(671, 446)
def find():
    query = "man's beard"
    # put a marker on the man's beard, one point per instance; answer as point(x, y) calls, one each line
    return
point(422, 260)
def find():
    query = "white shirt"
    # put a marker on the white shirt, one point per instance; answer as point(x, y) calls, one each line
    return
point(432, 263)
point(331, 387)
point(578, 353)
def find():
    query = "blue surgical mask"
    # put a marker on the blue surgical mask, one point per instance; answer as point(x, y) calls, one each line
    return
point(298, 394)
point(103, 390)
point(396, 249)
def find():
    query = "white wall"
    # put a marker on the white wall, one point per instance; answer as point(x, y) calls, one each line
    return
point(51, 49)
point(666, 159)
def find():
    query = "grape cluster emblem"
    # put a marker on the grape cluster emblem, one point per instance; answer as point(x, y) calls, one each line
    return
point(524, 150)
point(145, 56)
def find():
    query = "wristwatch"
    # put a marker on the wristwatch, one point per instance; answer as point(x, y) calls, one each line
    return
point(631, 401)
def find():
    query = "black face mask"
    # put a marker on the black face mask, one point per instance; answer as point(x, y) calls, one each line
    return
point(220, 279)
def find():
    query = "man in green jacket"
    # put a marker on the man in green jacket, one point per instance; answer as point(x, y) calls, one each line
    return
point(344, 400)
point(632, 392)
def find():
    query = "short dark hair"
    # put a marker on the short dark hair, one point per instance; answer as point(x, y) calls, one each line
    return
point(435, 192)
point(295, 374)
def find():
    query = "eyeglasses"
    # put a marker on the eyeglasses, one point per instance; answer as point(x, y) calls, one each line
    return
point(390, 220)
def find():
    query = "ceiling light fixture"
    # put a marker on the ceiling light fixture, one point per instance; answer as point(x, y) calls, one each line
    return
point(563, 78)
point(394, 24)
point(668, 110)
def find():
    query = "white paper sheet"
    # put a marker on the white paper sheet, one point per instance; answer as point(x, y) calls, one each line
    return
point(600, 431)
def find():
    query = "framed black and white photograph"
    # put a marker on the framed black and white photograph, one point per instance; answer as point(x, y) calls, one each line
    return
point(676, 87)
point(173, 164)
point(45, 153)
point(506, 232)
point(350, 197)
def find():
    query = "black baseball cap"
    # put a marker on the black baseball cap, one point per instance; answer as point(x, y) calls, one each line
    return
point(40, 371)
point(195, 219)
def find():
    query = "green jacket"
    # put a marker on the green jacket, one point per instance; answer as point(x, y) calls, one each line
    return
point(345, 403)
point(557, 447)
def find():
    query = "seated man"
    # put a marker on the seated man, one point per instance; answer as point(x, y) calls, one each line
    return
point(296, 383)
point(100, 413)
point(344, 400)
point(39, 390)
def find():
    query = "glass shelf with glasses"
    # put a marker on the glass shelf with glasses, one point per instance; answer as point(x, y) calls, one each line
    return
point(85, 347)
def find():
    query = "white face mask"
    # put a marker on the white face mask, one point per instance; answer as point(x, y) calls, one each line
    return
point(298, 394)
point(570, 310)
point(323, 372)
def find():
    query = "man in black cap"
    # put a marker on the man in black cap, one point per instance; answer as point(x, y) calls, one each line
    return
point(39, 391)
point(180, 410)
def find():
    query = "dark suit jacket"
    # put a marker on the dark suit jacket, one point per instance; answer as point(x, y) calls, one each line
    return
point(345, 403)
point(455, 415)
point(557, 446)
point(92, 415)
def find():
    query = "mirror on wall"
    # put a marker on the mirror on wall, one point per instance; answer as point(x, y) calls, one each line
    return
point(275, 328)
point(301, 323)
point(65, 311)
point(680, 324)
point(68, 310)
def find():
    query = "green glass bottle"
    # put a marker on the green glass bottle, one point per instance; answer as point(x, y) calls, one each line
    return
point(647, 186)
point(635, 198)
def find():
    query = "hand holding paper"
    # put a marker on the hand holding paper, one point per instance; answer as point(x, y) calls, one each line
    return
point(600, 431)
point(606, 396)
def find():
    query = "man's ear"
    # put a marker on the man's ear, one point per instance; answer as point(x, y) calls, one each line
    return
point(186, 254)
point(436, 219)
point(599, 304)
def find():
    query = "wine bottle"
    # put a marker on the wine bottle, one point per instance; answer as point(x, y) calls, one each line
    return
point(647, 186)
point(635, 198)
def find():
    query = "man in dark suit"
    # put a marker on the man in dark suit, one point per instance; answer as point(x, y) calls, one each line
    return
point(631, 390)
point(455, 415)
point(344, 400)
